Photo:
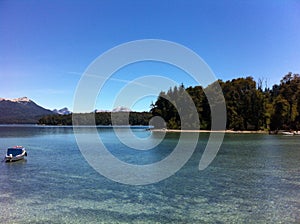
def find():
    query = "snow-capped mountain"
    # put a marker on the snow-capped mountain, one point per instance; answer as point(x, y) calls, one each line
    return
point(117, 109)
point(101, 111)
point(63, 111)
point(21, 110)
point(17, 100)
point(121, 109)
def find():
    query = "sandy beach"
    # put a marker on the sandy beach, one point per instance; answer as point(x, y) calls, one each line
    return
point(211, 131)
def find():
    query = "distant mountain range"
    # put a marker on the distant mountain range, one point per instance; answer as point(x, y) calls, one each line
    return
point(25, 111)
point(63, 111)
point(117, 109)
point(21, 111)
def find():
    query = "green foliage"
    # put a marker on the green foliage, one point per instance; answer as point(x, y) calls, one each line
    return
point(280, 117)
point(249, 107)
point(102, 118)
point(245, 104)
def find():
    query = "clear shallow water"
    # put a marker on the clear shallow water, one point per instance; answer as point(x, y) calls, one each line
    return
point(254, 179)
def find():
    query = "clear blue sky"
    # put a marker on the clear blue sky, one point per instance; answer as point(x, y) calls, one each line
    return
point(46, 45)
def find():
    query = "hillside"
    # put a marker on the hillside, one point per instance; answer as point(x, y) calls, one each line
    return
point(21, 111)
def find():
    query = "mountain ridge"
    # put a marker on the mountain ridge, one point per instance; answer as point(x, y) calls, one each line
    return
point(63, 111)
point(21, 111)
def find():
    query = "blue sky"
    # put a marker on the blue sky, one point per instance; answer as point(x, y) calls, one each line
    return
point(45, 46)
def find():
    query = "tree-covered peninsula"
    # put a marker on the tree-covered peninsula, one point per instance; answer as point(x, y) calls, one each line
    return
point(250, 105)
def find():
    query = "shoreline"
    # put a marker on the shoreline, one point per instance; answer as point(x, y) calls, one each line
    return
point(211, 131)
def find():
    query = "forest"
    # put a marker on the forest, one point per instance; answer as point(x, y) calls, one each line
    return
point(100, 118)
point(250, 105)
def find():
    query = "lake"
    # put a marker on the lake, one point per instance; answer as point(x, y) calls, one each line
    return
point(255, 178)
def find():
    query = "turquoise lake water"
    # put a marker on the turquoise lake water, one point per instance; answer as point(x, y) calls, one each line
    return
point(255, 178)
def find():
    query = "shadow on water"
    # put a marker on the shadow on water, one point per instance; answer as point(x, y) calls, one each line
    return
point(12, 131)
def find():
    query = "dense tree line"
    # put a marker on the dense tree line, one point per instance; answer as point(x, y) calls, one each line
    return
point(249, 106)
point(101, 118)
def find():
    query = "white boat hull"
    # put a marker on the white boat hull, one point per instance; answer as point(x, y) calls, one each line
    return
point(14, 158)
point(11, 158)
point(287, 133)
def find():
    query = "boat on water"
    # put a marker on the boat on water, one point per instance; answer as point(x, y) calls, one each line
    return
point(288, 133)
point(15, 153)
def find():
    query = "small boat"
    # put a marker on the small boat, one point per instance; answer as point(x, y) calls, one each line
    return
point(287, 133)
point(15, 153)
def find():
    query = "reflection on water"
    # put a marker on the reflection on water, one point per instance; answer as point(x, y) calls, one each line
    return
point(11, 131)
point(253, 179)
